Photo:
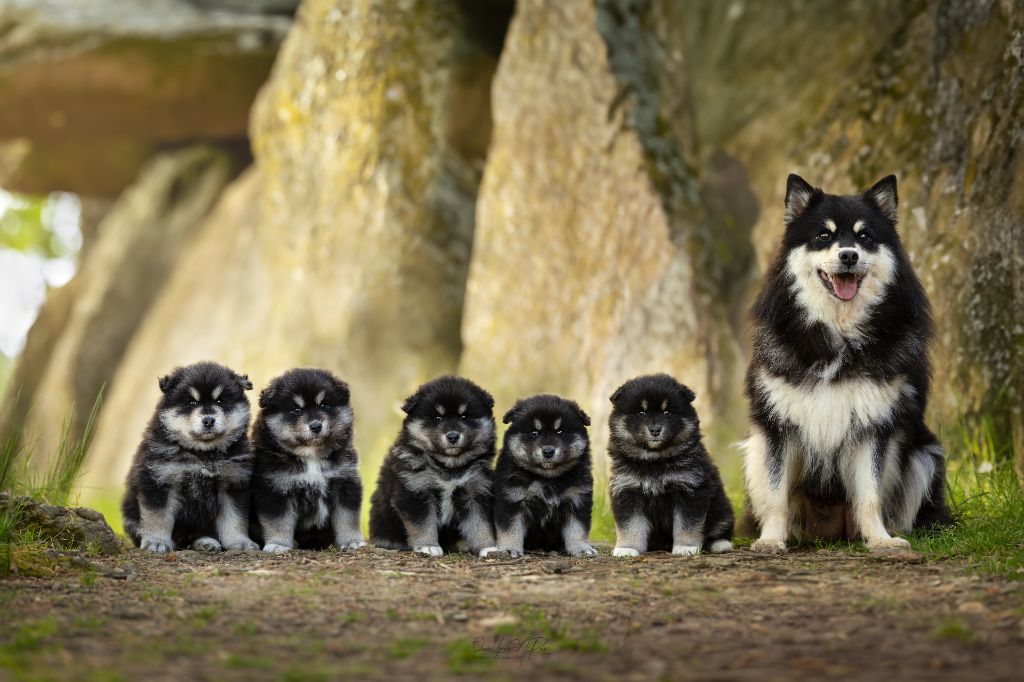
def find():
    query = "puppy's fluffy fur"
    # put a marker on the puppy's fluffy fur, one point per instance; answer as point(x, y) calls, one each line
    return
point(434, 489)
point(188, 486)
point(306, 486)
point(666, 493)
point(543, 484)
point(839, 374)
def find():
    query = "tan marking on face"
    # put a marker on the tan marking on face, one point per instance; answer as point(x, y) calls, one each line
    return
point(217, 391)
point(830, 225)
point(299, 400)
point(194, 391)
point(320, 397)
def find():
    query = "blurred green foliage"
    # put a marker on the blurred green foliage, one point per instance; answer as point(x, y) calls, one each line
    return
point(23, 228)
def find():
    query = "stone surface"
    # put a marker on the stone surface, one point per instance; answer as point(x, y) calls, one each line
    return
point(347, 245)
point(69, 528)
point(596, 255)
point(76, 347)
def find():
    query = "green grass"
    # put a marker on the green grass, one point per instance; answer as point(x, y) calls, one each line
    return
point(988, 500)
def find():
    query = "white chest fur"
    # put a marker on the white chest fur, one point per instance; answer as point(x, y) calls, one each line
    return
point(827, 412)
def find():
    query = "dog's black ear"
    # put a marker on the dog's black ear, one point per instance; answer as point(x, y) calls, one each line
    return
point(583, 417)
point(512, 413)
point(243, 381)
point(486, 397)
point(799, 196)
point(618, 394)
point(883, 195)
point(166, 383)
point(687, 393)
point(266, 395)
point(410, 403)
point(343, 391)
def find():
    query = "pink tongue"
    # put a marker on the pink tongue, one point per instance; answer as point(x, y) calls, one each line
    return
point(845, 286)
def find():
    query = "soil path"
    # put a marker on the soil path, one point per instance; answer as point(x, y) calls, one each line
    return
point(383, 615)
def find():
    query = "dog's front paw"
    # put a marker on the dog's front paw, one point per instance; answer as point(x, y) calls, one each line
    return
point(582, 549)
point(685, 550)
point(887, 544)
point(429, 550)
point(351, 543)
point(242, 544)
point(157, 545)
point(512, 552)
point(720, 546)
point(625, 551)
point(764, 546)
point(488, 551)
point(274, 548)
point(206, 545)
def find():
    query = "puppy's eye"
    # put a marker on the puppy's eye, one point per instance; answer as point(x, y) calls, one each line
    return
point(664, 411)
point(642, 412)
point(462, 417)
point(824, 236)
point(864, 236)
point(193, 403)
point(297, 410)
point(217, 402)
point(437, 418)
point(534, 433)
point(559, 432)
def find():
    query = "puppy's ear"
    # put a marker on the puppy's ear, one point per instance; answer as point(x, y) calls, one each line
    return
point(687, 393)
point(487, 398)
point(166, 383)
point(243, 381)
point(343, 391)
point(410, 403)
point(883, 195)
point(617, 395)
point(580, 413)
point(799, 196)
point(266, 395)
point(513, 412)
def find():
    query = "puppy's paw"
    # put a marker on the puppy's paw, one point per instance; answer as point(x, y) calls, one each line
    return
point(274, 548)
point(764, 546)
point(242, 544)
point(487, 551)
point(720, 546)
point(351, 543)
point(511, 552)
point(582, 549)
point(887, 544)
point(685, 550)
point(625, 551)
point(206, 545)
point(429, 550)
point(158, 545)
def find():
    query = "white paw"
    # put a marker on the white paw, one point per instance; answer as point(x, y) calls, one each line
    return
point(581, 550)
point(625, 551)
point(887, 544)
point(685, 550)
point(720, 546)
point(274, 548)
point(206, 545)
point(243, 544)
point(351, 543)
point(487, 551)
point(158, 545)
point(429, 550)
point(764, 546)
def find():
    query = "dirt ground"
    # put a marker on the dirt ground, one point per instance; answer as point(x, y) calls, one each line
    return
point(383, 615)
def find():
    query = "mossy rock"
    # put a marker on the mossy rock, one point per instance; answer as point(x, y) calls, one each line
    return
point(64, 528)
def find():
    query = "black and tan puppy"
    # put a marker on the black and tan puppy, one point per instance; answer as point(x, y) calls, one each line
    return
point(434, 489)
point(543, 487)
point(666, 492)
point(188, 486)
point(306, 487)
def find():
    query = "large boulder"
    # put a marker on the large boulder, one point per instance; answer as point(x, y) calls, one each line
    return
point(96, 87)
point(600, 252)
point(347, 245)
point(76, 346)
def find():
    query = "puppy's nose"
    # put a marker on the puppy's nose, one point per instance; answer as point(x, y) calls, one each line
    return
point(208, 422)
point(316, 426)
point(655, 431)
point(453, 437)
point(848, 256)
point(548, 452)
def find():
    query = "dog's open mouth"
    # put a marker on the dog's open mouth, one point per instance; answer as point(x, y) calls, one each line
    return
point(842, 285)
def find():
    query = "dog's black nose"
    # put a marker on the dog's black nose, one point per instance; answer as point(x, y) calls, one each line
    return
point(453, 437)
point(655, 431)
point(208, 422)
point(316, 426)
point(848, 256)
point(548, 452)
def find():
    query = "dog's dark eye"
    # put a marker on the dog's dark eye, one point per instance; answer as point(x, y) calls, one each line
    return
point(462, 416)
point(437, 418)
point(642, 412)
point(297, 410)
point(559, 432)
point(193, 403)
point(864, 236)
point(664, 411)
point(824, 236)
point(535, 433)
